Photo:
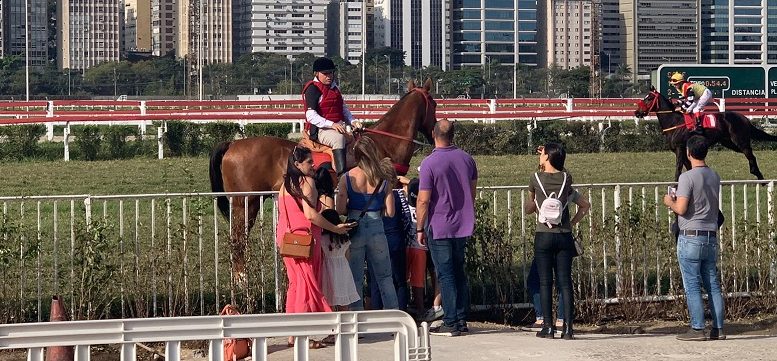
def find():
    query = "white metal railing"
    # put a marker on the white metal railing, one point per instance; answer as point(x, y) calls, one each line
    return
point(169, 254)
point(410, 343)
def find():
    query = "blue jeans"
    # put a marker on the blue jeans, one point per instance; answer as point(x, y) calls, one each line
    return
point(533, 285)
point(448, 258)
point(399, 275)
point(370, 243)
point(698, 258)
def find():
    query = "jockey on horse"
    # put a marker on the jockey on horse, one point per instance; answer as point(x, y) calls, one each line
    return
point(326, 115)
point(693, 98)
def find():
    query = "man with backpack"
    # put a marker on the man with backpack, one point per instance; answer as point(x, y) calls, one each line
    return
point(554, 246)
point(445, 214)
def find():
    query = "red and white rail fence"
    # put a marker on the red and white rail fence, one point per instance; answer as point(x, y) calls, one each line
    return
point(143, 112)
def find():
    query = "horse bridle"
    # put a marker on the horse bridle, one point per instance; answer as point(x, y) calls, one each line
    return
point(654, 104)
point(402, 169)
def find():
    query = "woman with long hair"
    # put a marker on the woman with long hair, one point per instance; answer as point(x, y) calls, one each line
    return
point(554, 245)
point(298, 207)
point(366, 190)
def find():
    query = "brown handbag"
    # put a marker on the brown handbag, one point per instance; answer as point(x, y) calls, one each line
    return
point(297, 242)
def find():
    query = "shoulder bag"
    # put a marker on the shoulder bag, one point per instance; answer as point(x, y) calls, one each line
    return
point(297, 242)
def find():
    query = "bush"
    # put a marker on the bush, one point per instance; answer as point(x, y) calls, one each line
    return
point(21, 141)
point(280, 130)
point(88, 140)
point(218, 132)
point(116, 136)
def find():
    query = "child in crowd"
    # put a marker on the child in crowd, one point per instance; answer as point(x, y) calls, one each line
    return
point(336, 279)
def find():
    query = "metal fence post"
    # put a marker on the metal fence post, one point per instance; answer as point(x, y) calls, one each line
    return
point(66, 141)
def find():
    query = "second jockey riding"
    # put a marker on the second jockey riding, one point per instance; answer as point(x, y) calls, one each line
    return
point(326, 115)
point(693, 97)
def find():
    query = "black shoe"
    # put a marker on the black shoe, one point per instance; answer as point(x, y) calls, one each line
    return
point(566, 331)
point(547, 332)
point(450, 331)
point(463, 327)
point(717, 334)
point(692, 335)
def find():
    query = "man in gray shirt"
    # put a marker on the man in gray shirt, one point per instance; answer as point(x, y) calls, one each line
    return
point(696, 204)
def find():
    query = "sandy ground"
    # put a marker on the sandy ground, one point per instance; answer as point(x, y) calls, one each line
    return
point(751, 340)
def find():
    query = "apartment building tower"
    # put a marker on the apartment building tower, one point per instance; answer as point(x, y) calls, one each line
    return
point(571, 36)
point(88, 32)
point(738, 32)
point(204, 26)
point(289, 28)
point(137, 26)
point(15, 30)
point(504, 31)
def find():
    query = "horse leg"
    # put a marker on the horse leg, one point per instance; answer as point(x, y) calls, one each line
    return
point(748, 152)
point(680, 160)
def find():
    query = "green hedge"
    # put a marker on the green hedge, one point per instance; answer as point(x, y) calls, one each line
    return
point(92, 142)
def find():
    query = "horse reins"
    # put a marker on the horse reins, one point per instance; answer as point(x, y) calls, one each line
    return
point(428, 108)
point(654, 104)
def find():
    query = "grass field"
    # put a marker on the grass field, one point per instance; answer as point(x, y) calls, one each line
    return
point(191, 174)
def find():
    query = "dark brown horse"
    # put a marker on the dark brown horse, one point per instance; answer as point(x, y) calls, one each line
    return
point(734, 131)
point(258, 164)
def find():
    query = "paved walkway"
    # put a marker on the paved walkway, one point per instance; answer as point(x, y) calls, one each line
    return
point(508, 344)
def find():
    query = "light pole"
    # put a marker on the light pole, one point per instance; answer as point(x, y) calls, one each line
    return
point(515, 80)
point(388, 60)
point(27, 47)
point(364, 43)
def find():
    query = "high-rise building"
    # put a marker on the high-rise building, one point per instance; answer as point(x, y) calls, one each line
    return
point(14, 32)
point(611, 36)
point(205, 25)
point(571, 35)
point(420, 28)
point(163, 26)
point(285, 27)
point(355, 20)
point(504, 31)
point(137, 26)
point(2, 32)
point(658, 32)
point(738, 32)
point(88, 32)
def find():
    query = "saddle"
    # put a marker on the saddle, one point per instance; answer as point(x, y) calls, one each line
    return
point(322, 153)
point(709, 120)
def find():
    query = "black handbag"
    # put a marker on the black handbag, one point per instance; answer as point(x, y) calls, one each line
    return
point(353, 229)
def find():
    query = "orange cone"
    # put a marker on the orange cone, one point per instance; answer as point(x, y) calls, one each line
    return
point(58, 353)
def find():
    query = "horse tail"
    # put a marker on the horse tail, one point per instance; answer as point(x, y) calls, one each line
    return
point(216, 181)
point(759, 134)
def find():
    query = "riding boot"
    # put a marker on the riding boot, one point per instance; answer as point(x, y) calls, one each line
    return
point(699, 127)
point(339, 161)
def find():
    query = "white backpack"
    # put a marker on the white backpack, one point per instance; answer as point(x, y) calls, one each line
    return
point(551, 210)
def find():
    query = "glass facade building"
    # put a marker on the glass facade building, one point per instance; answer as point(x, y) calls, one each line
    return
point(485, 31)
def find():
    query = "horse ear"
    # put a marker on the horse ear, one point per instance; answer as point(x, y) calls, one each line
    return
point(652, 88)
point(428, 84)
point(410, 85)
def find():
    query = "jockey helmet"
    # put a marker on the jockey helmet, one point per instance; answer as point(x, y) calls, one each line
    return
point(323, 64)
point(676, 77)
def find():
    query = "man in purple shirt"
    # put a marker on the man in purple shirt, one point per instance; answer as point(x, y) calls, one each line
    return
point(446, 207)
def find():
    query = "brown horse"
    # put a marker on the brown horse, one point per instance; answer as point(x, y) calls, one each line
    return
point(734, 131)
point(258, 164)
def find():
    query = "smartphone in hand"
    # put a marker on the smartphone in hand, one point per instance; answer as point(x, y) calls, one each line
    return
point(671, 191)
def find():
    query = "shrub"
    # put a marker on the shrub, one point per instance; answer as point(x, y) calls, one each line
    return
point(21, 141)
point(88, 141)
point(116, 137)
point(280, 130)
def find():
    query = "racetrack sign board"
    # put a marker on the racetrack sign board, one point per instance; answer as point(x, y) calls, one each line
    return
point(725, 81)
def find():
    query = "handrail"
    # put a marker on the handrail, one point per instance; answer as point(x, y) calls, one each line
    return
point(410, 343)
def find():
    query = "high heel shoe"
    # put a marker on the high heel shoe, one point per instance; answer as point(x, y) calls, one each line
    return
point(547, 331)
point(566, 331)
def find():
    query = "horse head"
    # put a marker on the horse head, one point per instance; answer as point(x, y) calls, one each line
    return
point(424, 101)
point(653, 102)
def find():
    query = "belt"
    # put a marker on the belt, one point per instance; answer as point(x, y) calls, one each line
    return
point(697, 233)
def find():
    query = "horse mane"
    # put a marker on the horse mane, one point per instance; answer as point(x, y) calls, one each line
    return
point(394, 108)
